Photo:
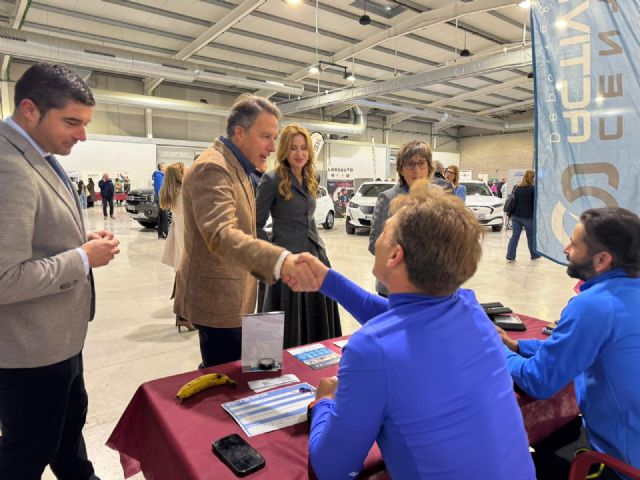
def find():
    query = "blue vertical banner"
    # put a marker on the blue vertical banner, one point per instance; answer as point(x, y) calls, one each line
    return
point(587, 79)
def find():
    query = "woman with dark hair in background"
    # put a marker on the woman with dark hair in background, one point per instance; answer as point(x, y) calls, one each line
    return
point(414, 162)
point(452, 174)
point(522, 216)
point(170, 198)
point(289, 194)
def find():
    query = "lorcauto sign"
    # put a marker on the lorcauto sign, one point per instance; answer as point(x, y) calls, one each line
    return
point(587, 118)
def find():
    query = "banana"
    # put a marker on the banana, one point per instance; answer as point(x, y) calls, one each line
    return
point(203, 382)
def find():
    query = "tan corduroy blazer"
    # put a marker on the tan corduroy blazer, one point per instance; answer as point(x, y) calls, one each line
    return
point(215, 282)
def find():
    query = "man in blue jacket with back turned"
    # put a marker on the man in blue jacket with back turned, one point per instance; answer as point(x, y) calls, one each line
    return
point(425, 376)
point(596, 345)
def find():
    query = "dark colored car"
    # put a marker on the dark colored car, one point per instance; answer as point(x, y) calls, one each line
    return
point(141, 207)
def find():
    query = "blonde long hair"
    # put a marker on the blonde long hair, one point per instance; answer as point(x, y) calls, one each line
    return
point(527, 178)
point(283, 169)
point(171, 185)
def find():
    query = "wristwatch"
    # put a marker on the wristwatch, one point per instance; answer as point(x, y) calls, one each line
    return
point(266, 363)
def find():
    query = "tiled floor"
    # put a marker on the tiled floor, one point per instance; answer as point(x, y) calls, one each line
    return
point(133, 339)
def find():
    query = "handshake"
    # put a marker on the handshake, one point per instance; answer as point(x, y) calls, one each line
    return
point(303, 272)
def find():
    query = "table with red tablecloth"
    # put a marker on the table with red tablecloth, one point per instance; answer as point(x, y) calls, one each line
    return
point(118, 197)
point(169, 440)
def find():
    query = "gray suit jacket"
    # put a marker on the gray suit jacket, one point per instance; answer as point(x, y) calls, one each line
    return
point(294, 225)
point(45, 296)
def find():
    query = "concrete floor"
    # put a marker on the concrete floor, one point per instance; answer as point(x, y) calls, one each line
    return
point(133, 338)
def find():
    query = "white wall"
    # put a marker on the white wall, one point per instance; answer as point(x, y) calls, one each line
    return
point(137, 159)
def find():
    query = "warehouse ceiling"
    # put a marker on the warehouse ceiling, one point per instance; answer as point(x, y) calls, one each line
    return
point(436, 61)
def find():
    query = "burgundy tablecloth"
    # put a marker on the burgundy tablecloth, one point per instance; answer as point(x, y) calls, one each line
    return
point(168, 440)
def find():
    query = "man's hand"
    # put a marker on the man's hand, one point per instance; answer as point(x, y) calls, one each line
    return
point(327, 388)
point(318, 269)
point(507, 340)
point(101, 251)
point(102, 234)
point(298, 275)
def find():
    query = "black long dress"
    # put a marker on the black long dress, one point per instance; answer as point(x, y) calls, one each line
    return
point(309, 316)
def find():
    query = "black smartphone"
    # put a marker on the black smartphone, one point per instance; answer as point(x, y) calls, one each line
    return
point(239, 456)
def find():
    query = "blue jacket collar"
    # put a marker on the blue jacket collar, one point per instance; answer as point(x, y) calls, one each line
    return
point(615, 273)
point(244, 161)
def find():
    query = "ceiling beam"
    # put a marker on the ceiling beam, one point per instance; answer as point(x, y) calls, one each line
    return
point(397, 118)
point(208, 36)
point(406, 27)
point(511, 106)
point(488, 64)
point(437, 116)
point(481, 91)
point(16, 22)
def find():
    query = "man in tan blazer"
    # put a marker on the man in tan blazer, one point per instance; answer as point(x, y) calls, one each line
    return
point(215, 282)
point(46, 287)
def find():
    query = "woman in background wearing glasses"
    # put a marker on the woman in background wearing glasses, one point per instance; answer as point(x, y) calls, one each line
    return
point(414, 162)
point(452, 174)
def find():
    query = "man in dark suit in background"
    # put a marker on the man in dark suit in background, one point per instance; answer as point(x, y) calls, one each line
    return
point(107, 191)
point(46, 294)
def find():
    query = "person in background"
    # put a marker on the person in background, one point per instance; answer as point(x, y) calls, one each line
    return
point(452, 174)
point(107, 191)
point(522, 216)
point(91, 193)
point(118, 190)
point(171, 200)
point(413, 162)
point(289, 194)
point(47, 296)
point(82, 194)
point(163, 216)
point(504, 190)
point(499, 188)
point(595, 345)
point(425, 376)
point(215, 283)
point(438, 177)
point(74, 184)
point(127, 184)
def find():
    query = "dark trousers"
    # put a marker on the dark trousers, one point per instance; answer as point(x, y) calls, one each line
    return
point(42, 412)
point(553, 456)
point(219, 345)
point(163, 222)
point(104, 206)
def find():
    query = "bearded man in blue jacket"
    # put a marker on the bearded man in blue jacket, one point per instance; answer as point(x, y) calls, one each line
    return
point(596, 344)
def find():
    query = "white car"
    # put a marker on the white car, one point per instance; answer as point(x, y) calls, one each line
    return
point(325, 211)
point(360, 209)
point(488, 209)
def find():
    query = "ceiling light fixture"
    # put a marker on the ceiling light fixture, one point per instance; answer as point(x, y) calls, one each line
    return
point(364, 18)
point(464, 52)
point(346, 74)
point(525, 4)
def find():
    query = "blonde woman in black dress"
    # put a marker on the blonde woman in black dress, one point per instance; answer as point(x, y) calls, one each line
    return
point(289, 194)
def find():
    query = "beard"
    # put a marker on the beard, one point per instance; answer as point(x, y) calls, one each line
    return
point(582, 271)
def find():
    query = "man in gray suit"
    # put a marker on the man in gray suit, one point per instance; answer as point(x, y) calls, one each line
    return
point(46, 286)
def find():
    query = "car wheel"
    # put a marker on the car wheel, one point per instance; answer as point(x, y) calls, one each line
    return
point(328, 222)
point(350, 228)
point(148, 224)
point(497, 228)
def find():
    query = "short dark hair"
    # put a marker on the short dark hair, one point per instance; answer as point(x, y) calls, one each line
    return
point(245, 110)
point(617, 231)
point(440, 237)
point(52, 86)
